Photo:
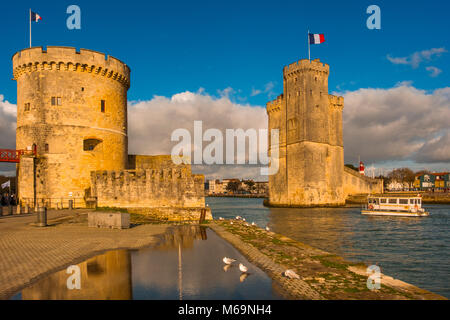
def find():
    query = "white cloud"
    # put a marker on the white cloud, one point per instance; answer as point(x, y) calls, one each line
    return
point(268, 90)
point(8, 114)
point(255, 92)
point(152, 122)
point(406, 83)
point(434, 72)
point(401, 123)
point(416, 58)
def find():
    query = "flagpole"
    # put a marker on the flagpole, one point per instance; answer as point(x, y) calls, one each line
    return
point(29, 18)
point(309, 48)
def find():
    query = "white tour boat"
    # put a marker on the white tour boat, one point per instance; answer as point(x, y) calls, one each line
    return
point(395, 205)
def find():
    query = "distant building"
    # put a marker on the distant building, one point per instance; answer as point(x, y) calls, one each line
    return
point(217, 187)
point(432, 181)
point(395, 185)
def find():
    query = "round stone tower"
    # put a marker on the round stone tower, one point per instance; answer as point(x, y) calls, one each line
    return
point(72, 108)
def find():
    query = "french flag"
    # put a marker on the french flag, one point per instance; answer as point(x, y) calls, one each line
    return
point(34, 16)
point(316, 38)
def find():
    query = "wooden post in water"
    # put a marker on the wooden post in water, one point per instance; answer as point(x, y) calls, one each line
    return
point(202, 215)
point(180, 272)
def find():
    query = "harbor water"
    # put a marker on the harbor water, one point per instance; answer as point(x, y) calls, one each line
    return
point(415, 250)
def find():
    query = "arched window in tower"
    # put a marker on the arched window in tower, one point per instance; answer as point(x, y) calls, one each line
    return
point(92, 144)
point(46, 147)
point(103, 106)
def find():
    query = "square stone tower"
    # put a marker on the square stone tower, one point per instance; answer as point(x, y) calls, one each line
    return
point(309, 120)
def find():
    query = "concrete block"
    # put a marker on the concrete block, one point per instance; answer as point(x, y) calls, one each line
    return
point(111, 220)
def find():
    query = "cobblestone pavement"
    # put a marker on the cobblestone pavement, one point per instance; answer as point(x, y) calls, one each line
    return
point(294, 288)
point(28, 252)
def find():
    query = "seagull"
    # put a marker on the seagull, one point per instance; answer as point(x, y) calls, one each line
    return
point(238, 217)
point(291, 274)
point(228, 260)
point(267, 229)
point(253, 224)
point(243, 219)
point(243, 277)
point(231, 222)
point(247, 225)
point(243, 268)
point(220, 218)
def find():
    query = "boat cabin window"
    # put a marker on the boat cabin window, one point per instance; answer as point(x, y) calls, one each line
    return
point(394, 200)
point(403, 201)
point(419, 201)
point(383, 200)
point(411, 201)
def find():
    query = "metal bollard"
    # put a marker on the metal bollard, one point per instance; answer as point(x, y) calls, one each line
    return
point(42, 217)
point(70, 204)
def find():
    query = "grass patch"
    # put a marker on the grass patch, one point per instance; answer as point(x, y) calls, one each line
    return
point(327, 262)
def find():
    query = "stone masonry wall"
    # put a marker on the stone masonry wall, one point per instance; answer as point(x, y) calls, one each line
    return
point(151, 188)
point(311, 148)
point(59, 107)
point(355, 183)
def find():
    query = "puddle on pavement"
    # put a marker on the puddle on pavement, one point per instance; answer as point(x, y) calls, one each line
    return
point(186, 264)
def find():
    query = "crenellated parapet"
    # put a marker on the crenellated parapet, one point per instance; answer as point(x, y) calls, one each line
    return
point(303, 65)
point(275, 105)
point(167, 187)
point(56, 58)
point(336, 101)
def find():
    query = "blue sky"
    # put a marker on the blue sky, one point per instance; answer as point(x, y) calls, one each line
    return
point(174, 46)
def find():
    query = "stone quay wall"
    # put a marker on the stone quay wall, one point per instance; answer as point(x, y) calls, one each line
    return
point(355, 183)
point(151, 188)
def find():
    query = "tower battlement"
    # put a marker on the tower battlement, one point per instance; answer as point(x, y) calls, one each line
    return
point(336, 101)
point(275, 105)
point(69, 59)
point(305, 65)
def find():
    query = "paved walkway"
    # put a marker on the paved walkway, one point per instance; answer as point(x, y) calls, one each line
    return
point(28, 252)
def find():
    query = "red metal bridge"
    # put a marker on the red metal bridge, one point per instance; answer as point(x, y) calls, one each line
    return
point(11, 155)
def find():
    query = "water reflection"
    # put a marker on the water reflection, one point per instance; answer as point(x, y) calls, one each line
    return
point(105, 277)
point(186, 264)
point(204, 275)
